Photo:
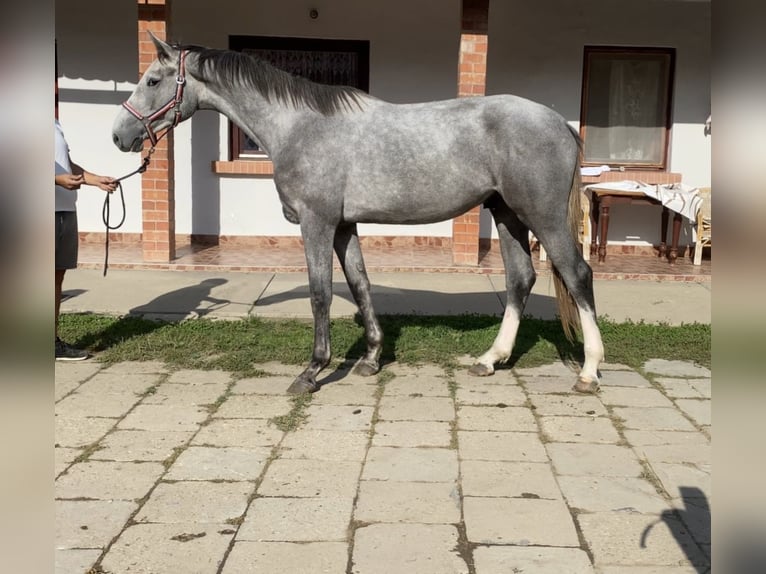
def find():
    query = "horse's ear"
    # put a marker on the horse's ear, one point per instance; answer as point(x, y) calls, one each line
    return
point(165, 52)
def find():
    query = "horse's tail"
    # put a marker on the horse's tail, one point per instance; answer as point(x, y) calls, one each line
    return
point(568, 313)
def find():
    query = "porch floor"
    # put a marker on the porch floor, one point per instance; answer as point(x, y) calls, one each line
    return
point(227, 257)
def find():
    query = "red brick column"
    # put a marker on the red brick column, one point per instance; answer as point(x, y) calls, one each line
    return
point(472, 74)
point(158, 181)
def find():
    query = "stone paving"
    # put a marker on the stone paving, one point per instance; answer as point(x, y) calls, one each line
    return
point(421, 471)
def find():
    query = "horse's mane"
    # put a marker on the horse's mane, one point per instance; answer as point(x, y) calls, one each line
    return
point(236, 69)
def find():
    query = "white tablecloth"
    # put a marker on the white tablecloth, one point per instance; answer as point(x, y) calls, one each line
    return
point(677, 197)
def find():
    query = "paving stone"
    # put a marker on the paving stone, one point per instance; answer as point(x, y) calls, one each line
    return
point(75, 561)
point(493, 445)
point(519, 521)
point(613, 493)
point(557, 369)
point(679, 388)
point(434, 385)
point(420, 502)
point(698, 409)
point(412, 434)
point(219, 463)
point(244, 433)
point(411, 464)
point(150, 548)
point(593, 459)
point(276, 368)
point(196, 502)
point(614, 367)
point(676, 453)
point(311, 478)
point(658, 438)
point(297, 520)
point(579, 429)
point(508, 479)
point(623, 379)
point(108, 480)
point(90, 523)
point(79, 432)
point(129, 445)
point(422, 371)
point(345, 394)
point(107, 382)
point(703, 386)
point(550, 385)
point(199, 377)
point(567, 405)
point(270, 385)
point(675, 368)
point(137, 367)
point(407, 548)
point(650, 570)
point(63, 457)
point(534, 560)
point(112, 405)
point(184, 395)
point(616, 538)
point(503, 377)
point(75, 372)
point(164, 418)
point(302, 558)
point(496, 419)
point(683, 481)
point(63, 388)
point(633, 397)
point(254, 407)
point(325, 445)
point(338, 418)
point(652, 419)
point(407, 408)
point(491, 394)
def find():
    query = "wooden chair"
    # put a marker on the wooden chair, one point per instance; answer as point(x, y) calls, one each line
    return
point(703, 226)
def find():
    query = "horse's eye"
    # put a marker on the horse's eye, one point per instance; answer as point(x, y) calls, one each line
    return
point(152, 82)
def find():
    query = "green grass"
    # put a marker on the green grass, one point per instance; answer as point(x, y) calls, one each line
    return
point(237, 345)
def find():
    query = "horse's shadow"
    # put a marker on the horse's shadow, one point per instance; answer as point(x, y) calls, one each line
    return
point(400, 310)
point(169, 307)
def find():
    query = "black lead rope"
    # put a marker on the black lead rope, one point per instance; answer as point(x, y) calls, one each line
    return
point(105, 211)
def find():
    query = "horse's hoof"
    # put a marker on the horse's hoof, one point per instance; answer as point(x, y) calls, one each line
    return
point(480, 370)
point(583, 386)
point(365, 369)
point(301, 386)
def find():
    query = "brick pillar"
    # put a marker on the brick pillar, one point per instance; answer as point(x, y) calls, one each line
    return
point(158, 181)
point(472, 74)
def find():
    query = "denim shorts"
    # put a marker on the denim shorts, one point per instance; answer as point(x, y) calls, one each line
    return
point(66, 239)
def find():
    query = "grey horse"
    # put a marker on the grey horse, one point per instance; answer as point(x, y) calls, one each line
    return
point(342, 157)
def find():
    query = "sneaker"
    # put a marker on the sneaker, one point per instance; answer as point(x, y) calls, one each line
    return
point(66, 353)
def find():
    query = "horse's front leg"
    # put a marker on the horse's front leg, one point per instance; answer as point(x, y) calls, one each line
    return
point(317, 241)
point(350, 256)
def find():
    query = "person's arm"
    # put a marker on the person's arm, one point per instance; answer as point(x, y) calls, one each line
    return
point(103, 182)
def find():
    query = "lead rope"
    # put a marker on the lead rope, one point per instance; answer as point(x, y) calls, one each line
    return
point(105, 210)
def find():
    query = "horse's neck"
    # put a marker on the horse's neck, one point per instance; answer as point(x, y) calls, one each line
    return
point(269, 124)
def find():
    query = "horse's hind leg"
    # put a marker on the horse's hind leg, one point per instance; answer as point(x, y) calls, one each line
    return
point(317, 240)
point(578, 279)
point(350, 256)
point(519, 280)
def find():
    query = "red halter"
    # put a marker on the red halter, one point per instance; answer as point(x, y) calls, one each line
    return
point(173, 103)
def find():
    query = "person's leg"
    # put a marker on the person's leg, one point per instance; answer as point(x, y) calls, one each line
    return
point(66, 258)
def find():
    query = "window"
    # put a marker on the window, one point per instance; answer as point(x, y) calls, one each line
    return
point(626, 103)
point(338, 62)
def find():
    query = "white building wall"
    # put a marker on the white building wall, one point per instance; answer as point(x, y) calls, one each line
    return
point(536, 51)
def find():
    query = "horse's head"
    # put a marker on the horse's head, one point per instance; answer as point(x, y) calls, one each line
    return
point(160, 101)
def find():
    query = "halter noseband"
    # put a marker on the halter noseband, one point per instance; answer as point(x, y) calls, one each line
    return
point(173, 103)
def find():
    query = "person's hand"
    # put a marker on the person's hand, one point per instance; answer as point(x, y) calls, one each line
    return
point(70, 180)
point(106, 183)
